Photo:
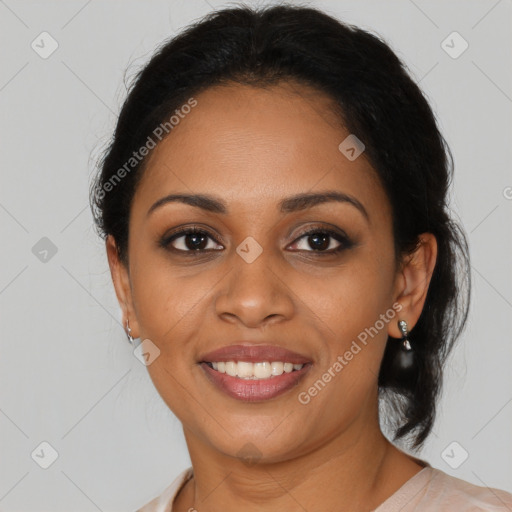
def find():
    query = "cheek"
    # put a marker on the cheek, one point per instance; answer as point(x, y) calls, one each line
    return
point(352, 298)
point(168, 303)
point(354, 309)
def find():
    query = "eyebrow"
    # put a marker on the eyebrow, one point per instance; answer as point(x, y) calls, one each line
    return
point(291, 204)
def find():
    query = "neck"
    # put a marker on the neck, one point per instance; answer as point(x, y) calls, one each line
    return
point(358, 469)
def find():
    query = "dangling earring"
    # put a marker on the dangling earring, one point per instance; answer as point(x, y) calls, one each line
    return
point(131, 340)
point(406, 355)
point(406, 345)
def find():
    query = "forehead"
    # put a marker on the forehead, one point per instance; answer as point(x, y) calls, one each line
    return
point(252, 144)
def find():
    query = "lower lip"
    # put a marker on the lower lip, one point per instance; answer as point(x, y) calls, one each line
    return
point(251, 390)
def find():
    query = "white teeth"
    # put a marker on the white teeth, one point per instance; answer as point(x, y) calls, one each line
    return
point(277, 367)
point(263, 370)
point(231, 368)
point(244, 370)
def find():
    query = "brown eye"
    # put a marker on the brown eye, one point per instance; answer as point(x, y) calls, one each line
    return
point(191, 240)
point(322, 241)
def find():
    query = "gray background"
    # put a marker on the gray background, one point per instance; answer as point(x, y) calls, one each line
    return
point(68, 376)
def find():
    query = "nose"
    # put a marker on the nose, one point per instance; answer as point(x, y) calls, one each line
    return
point(254, 294)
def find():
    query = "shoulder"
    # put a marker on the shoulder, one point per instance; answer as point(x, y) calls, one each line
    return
point(429, 490)
point(433, 490)
point(164, 501)
point(457, 494)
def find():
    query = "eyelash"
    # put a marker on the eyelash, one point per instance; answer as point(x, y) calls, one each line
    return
point(344, 241)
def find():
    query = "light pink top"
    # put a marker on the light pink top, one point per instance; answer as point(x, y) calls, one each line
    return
point(429, 490)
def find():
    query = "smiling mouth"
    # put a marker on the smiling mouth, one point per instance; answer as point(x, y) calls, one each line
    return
point(254, 382)
point(254, 371)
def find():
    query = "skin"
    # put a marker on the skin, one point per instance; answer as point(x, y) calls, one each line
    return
point(252, 147)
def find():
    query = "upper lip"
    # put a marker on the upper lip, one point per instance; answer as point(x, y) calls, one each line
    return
point(253, 353)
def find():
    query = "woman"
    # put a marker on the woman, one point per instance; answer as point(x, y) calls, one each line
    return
point(276, 222)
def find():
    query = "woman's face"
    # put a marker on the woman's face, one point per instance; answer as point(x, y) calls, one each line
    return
point(252, 149)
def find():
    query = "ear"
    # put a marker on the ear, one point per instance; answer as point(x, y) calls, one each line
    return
point(121, 280)
point(412, 282)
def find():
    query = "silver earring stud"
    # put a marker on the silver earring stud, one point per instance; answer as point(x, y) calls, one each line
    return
point(131, 340)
